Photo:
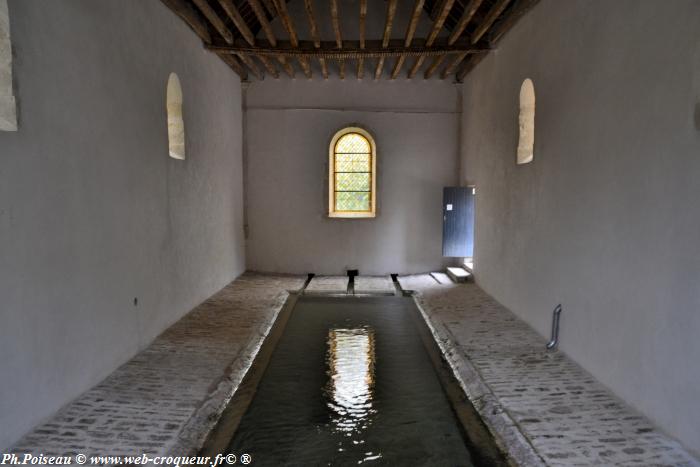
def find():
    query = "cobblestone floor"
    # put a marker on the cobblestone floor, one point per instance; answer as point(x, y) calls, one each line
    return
point(563, 415)
point(547, 409)
point(162, 401)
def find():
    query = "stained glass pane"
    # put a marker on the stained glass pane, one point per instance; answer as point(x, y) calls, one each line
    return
point(352, 143)
point(353, 173)
point(352, 201)
point(352, 182)
point(352, 162)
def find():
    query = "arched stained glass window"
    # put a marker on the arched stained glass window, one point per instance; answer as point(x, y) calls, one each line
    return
point(352, 174)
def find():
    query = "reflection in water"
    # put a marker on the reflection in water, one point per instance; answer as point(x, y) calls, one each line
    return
point(350, 361)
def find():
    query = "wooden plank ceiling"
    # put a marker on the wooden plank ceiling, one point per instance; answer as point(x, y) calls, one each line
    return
point(470, 28)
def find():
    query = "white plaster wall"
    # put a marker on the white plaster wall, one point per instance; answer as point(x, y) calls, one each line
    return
point(289, 126)
point(605, 220)
point(93, 212)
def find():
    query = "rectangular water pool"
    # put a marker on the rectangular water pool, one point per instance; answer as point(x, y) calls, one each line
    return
point(351, 381)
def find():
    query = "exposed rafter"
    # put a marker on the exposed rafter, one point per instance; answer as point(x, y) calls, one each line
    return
point(350, 51)
point(390, 12)
point(467, 15)
point(493, 14)
point(190, 16)
point(248, 60)
point(235, 65)
point(270, 7)
point(450, 68)
point(281, 7)
point(442, 13)
point(257, 8)
point(241, 32)
point(415, 16)
point(308, 4)
point(233, 13)
point(361, 60)
point(503, 25)
point(335, 20)
point(214, 19)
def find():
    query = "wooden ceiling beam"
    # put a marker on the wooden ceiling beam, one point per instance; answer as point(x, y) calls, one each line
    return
point(270, 7)
point(288, 68)
point(309, 6)
point(281, 7)
point(259, 11)
point(248, 60)
point(467, 15)
point(439, 21)
point(287, 21)
point(335, 21)
point(450, 68)
point(437, 61)
point(235, 65)
point(444, 10)
point(513, 15)
point(497, 32)
point(361, 60)
point(230, 8)
point(390, 13)
point(341, 68)
point(269, 66)
point(214, 19)
point(190, 16)
point(490, 18)
point(410, 31)
point(232, 11)
point(351, 51)
point(363, 17)
point(257, 8)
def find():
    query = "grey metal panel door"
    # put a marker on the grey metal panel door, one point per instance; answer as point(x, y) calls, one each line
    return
point(458, 221)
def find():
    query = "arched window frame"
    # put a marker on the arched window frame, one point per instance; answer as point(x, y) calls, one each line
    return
point(176, 124)
point(526, 123)
point(332, 211)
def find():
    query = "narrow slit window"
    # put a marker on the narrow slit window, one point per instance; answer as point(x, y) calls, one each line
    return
point(526, 121)
point(176, 125)
point(352, 174)
point(8, 108)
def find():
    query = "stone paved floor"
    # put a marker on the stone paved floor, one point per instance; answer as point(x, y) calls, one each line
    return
point(328, 284)
point(549, 410)
point(563, 415)
point(374, 284)
point(163, 400)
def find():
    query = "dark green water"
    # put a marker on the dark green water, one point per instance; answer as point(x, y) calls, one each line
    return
point(350, 383)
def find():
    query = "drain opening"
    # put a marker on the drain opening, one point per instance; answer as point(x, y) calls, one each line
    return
point(309, 276)
point(399, 291)
point(352, 273)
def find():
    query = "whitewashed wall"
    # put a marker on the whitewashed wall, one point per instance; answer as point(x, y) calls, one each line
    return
point(289, 127)
point(606, 219)
point(93, 212)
